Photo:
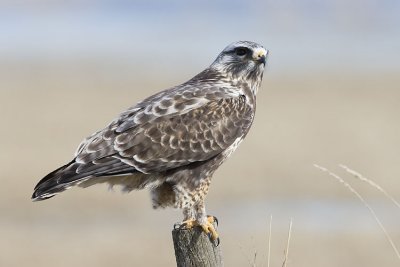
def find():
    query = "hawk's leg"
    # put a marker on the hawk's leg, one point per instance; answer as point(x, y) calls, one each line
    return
point(188, 214)
point(204, 221)
point(191, 201)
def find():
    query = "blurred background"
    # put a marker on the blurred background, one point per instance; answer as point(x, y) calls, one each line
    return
point(330, 95)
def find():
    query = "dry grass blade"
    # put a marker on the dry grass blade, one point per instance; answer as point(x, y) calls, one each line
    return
point(370, 182)
point(255, 259)
point(348, 186)
point(269, 242)
point(287, 244)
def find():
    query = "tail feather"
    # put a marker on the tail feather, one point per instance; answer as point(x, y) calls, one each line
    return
point(74, 173)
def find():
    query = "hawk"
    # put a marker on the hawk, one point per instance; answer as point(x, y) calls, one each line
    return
point(172, 142)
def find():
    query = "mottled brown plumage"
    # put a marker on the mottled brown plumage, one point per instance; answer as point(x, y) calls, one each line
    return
point(173, 141)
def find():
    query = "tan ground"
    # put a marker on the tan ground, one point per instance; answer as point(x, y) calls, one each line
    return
point(325, 116)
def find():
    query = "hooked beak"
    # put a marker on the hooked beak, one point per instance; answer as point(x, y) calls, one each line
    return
point(260, 55)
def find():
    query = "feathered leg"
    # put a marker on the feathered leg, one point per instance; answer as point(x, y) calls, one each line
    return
point(194, 212)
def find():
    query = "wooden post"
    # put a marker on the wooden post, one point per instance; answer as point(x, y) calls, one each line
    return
point(193, 248)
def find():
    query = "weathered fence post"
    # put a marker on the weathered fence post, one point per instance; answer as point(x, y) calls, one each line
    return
point(193, 248)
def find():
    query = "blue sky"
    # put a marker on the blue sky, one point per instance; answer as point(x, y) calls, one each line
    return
point(310, 33)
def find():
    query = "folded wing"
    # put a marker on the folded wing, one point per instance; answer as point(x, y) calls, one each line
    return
point(159, 134)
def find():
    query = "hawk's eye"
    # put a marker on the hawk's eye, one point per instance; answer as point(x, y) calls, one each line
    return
point(241, 51)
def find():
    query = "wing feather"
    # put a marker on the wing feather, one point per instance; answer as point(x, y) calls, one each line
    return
point(172, 130)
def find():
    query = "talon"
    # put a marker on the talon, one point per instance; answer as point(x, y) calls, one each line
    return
point(188, 224)
point(217, 242)
point(212, 219)
point(209, 229)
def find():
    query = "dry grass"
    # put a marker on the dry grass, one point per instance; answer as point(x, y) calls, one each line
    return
point(371, 210)
point(269, 242)
point(285, 261)
point(286, 251)
point(362, 178)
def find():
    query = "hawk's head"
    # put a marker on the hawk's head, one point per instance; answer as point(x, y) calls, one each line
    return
point(242, 60)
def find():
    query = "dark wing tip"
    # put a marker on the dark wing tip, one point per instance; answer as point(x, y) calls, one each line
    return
point(36, 196)
point(48, 186)
point(45, 191)
point(68, 175)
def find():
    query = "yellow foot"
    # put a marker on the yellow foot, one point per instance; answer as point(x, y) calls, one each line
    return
point(212, 219)
point(188, 224)
point(207, 227)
